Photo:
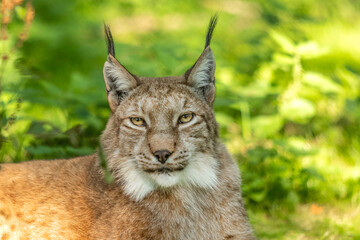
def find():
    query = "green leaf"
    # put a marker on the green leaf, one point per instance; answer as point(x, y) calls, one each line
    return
point(321, 82)
point(283, 59)
point(313, 172)
point(265, 126)
point(52, 89)
point(224, 119)
point(296, 146)
point(299, 110)
point(257, 196)
point(350, 82)
point(20, 12)
point(292, 199)
point(285, 43)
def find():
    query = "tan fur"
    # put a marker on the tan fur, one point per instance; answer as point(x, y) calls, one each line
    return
point(199, 198)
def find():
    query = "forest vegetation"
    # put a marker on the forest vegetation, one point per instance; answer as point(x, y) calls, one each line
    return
point(288, 93)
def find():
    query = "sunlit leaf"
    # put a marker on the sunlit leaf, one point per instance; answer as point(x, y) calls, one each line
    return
point(309, 50)
point(285, 43)
point(321, 82)
point(299, 110)
point(265, 73)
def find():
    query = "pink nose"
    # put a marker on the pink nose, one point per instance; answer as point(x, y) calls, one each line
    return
point(162, 155)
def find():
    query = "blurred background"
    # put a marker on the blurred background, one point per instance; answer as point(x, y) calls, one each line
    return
point(288, 93)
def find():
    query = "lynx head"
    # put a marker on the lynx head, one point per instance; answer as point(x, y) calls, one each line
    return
point(162, 132)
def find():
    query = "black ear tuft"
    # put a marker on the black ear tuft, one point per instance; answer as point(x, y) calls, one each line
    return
point(109, 40)
point(212, 24)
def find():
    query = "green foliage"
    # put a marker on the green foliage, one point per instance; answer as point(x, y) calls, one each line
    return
point(311, 222)
point(288, 80)
point(13, 124)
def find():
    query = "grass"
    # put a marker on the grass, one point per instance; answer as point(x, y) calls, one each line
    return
point(310, 222)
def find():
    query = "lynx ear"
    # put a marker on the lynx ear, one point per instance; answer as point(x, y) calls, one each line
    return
point(202, 75)
point(118, 81)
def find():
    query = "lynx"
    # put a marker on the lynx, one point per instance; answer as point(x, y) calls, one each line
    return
point(172, 177)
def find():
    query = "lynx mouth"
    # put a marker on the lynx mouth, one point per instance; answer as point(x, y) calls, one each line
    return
point(163, 170)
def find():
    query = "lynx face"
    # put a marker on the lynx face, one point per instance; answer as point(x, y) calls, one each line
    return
point(162, 131)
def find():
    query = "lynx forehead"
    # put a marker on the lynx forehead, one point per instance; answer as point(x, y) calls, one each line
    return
point(165, 126)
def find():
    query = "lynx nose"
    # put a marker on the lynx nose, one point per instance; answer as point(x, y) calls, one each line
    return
point(162, 155)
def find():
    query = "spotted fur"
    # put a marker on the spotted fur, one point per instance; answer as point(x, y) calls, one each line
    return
point(194, 194)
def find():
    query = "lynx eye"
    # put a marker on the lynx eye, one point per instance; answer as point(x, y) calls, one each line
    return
point(187, 117)
point(137, 121)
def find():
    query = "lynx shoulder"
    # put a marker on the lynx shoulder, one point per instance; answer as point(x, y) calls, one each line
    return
point(172, 177)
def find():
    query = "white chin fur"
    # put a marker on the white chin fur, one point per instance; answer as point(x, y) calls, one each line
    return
point(165, 179)
point(201, 172)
